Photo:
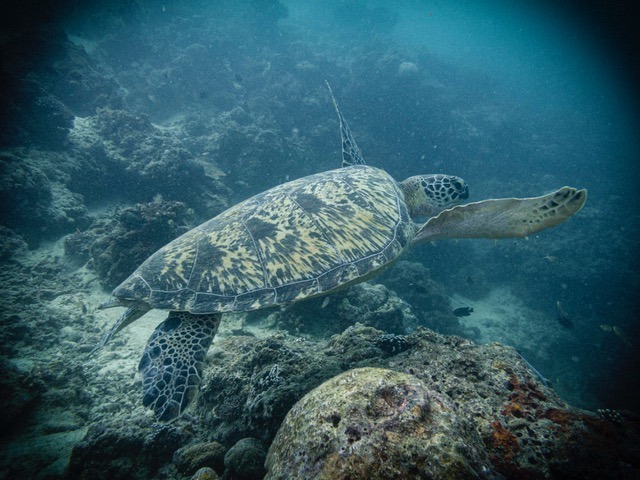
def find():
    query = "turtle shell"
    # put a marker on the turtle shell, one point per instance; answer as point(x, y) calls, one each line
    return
point(297, 240)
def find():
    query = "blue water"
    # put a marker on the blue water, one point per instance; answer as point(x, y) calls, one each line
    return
point(518, 98)
point(540, 70)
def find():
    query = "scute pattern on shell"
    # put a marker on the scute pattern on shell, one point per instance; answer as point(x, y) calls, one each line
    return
point(296, 240)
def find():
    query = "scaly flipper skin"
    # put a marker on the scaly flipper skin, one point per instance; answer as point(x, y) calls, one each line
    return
point(129, 316)
point(172, 362)
point(503, 217)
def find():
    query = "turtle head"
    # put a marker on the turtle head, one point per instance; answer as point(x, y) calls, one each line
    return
point(428, 195)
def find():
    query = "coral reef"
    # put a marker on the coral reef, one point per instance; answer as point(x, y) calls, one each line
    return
point(46, 78)
point(11, 244)
point(17, 393)
point(112, 154)
point(143, 161)
point(252, 382)
point(372, 305)
point(34, 201)
point(249, 393)
point(42, 120)
point(117, 246)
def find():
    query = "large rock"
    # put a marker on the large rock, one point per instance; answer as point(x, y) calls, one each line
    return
point(375, 423)
point(192, 458)
point(245, 459)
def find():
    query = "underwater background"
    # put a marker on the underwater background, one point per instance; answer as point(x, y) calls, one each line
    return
point(125, 124)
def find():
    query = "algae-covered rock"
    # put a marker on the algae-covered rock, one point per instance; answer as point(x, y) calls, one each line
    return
point(376, 306)
point(375, 423)
point(360, 343)
point(195, 457)
point(246, 459)
point(205, 473)
point(131, 450)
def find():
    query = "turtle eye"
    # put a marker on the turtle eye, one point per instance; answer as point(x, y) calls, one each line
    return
point(461, 188)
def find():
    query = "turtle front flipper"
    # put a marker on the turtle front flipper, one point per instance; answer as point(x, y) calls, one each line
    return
point(172, 362)
point(503, 217)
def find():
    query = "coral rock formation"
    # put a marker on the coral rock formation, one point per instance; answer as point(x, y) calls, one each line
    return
point(375, 423)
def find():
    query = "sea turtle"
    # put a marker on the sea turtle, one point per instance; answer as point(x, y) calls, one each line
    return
point(301, 239)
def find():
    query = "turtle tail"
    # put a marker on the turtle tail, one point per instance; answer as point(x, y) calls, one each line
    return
point(173, 361)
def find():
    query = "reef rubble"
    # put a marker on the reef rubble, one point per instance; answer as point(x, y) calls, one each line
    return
point(79, 417)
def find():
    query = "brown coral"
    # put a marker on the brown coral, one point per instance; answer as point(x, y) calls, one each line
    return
point(504, 441)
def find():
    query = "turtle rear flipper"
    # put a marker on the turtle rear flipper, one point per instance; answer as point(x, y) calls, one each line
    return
point(172, 362)
point(503, 217)
point(129, 316)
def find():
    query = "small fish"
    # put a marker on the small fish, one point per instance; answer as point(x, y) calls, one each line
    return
point(420, 289)
point(618, 332)
point(325, 302)
point(545, 381)
point(81, 305)
point(623, 336)
point(551, 258)
point(241, 332)
point(563, 318)
point(463, 311)
point(565, 322)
